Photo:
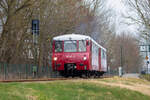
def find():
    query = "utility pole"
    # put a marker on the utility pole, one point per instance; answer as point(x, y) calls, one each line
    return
point(121, 62)
point(147, 62)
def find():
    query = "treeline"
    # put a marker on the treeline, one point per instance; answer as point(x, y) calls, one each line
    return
point(59, 17)
point(56, 17)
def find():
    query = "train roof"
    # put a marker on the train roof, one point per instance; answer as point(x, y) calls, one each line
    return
point(72, 37)
point(76, 37)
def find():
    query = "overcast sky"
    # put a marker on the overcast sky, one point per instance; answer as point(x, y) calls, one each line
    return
point(119, 9)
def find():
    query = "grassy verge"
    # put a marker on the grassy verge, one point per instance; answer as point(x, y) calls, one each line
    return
point(147, 77)
point(128, 81)
point(66, 90)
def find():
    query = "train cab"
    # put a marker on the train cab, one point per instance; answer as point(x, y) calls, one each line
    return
point(72, 54)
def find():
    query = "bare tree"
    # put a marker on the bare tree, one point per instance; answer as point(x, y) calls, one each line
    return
point(15, 21)
point(124, 49)
point(56, 17)
point(139, 13)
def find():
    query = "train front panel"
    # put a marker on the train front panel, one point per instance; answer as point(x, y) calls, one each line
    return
point(71, 55)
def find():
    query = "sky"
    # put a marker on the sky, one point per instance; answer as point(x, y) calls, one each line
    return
point(119, 10)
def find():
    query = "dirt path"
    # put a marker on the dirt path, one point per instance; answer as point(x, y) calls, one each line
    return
point(135, 84)
point(140, 87)
point(136, 87)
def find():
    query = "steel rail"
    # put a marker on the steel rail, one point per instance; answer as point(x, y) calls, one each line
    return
point(49, 79)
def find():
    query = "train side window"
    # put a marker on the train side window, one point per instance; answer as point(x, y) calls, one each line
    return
point(82, 46)
point(103, 54)
point(88, 43)
point(58, 46)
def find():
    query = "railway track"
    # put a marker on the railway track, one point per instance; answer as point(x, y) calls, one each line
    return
point(32, 80)
point(47, 79)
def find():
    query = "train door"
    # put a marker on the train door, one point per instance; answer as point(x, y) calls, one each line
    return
point(99, 59)
point(103, 61)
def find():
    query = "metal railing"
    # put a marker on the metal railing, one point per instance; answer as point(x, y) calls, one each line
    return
point(25, 71)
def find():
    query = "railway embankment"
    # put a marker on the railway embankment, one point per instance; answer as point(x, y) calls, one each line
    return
point(77, 89)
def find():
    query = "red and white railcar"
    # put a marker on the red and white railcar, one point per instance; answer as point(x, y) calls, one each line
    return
point(75, 54)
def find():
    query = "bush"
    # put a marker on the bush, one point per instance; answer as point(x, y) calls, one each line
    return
point(146, 76)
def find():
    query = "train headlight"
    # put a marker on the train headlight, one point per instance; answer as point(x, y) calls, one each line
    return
point(84, 58)
point(75, 67)
point(55, 58)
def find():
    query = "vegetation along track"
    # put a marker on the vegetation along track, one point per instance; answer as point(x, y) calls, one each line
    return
point(48, 79)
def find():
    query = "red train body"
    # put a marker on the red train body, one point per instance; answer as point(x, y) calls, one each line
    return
point(78, 55)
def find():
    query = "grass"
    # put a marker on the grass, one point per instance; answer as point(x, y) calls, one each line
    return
point(66, 90)
point(128, 81)
point(146, 76)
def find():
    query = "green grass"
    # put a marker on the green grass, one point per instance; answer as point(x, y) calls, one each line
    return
point(127, 81)
point(146, 76)
point(66, 90)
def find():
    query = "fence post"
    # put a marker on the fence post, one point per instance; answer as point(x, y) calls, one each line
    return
point(26, 71)
point(0, 69)
point(34, 71)
point(49, 74)
point(20, 72)
point(47, 71)
point(5, 67)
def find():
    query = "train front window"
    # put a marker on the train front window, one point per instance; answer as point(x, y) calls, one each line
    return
point(82, 46)
point(58, 46)
point(70, 46)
